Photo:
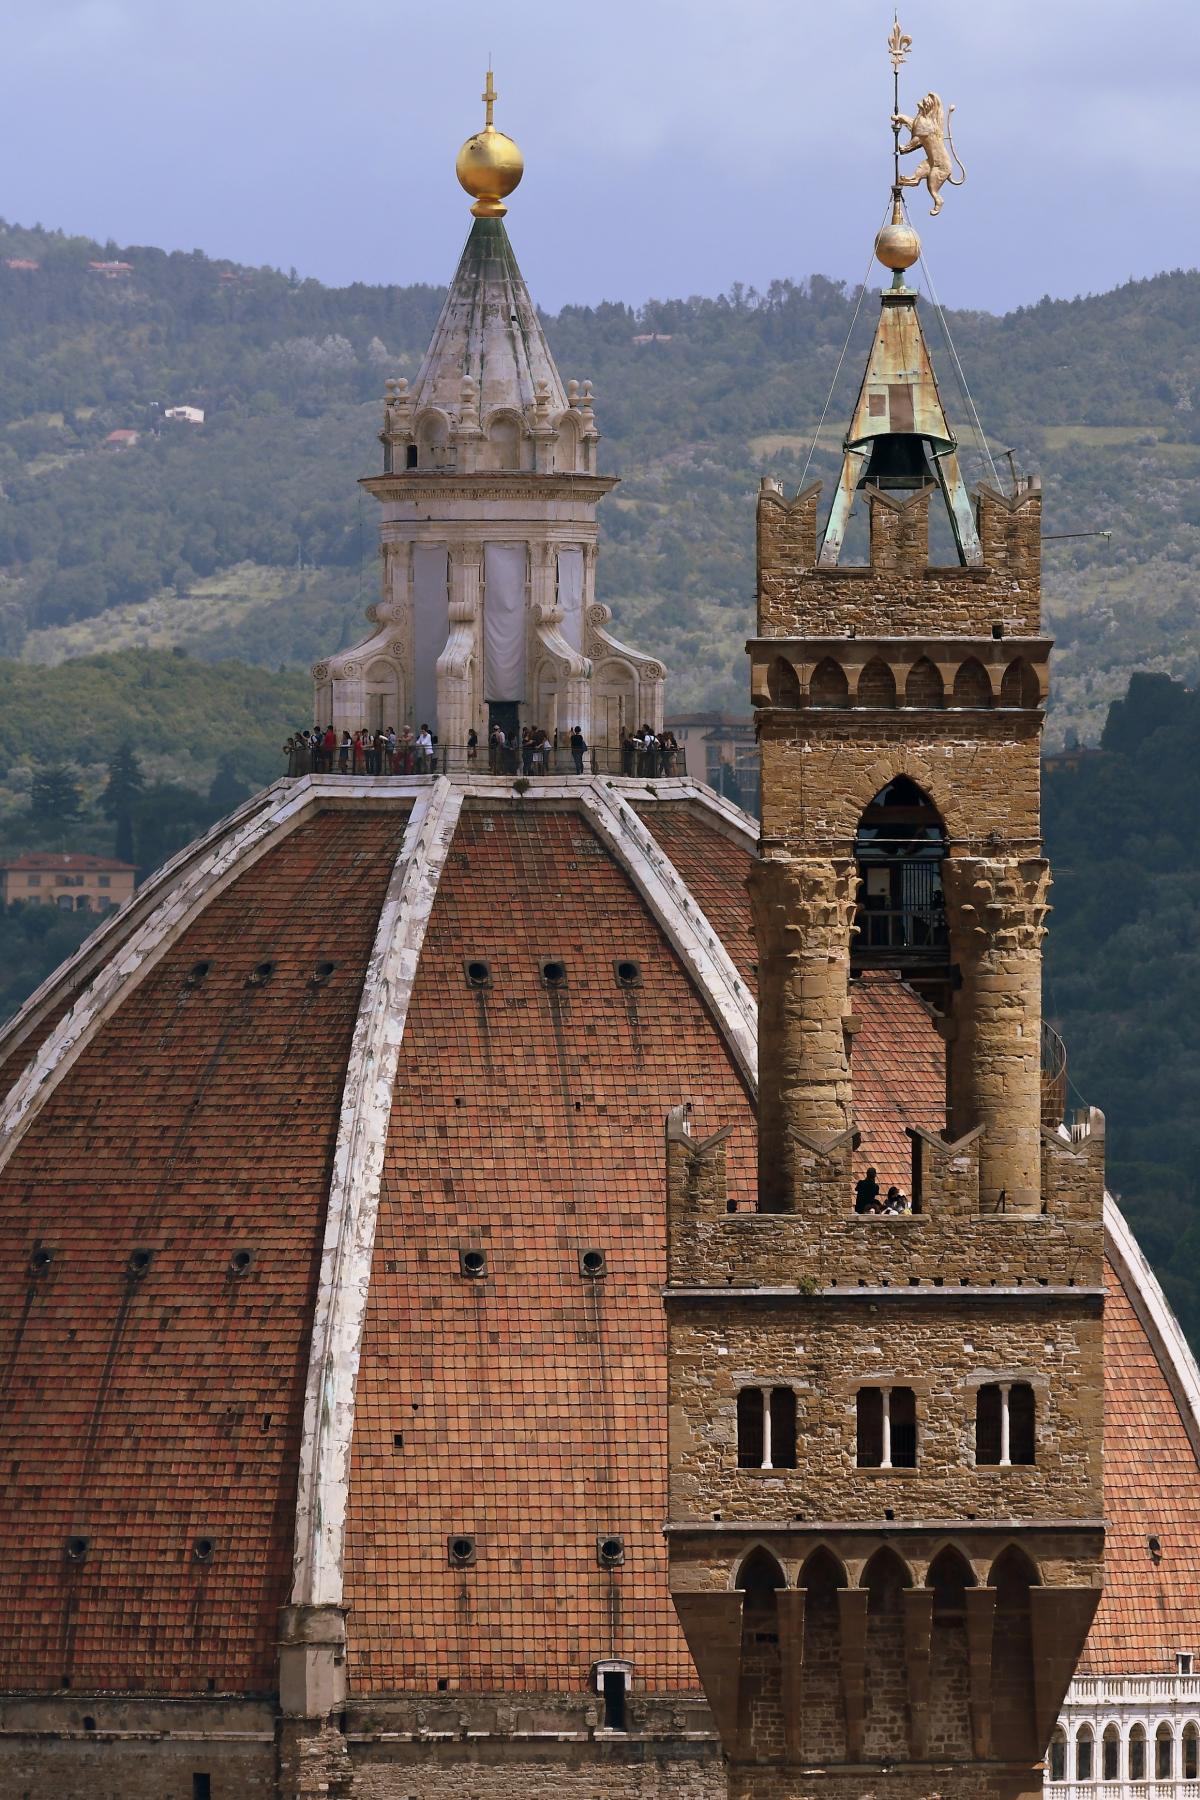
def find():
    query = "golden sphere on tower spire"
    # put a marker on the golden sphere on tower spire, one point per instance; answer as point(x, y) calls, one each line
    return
point(489, 164)
point(897, 245)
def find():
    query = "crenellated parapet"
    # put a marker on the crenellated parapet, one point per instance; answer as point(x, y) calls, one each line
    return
point(899, 591)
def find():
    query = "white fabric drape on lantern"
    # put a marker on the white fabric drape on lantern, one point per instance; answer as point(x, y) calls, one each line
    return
point(570, 596)
point(504, 621)
point(431, 627)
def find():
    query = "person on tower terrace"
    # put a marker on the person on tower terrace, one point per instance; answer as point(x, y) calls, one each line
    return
point(472, 745)
point(344, 749)
point(424, 750)
point(866, 1194)
point(578, 748)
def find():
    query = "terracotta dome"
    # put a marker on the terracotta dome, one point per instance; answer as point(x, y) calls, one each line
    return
point(304, 1154)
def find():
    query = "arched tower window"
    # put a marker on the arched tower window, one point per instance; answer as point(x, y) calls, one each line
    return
point(950, 1575)
point(1137, 1753)
point(783, 683)
point(1020, 685)
point(760, 1703)
point(1164, 1753)
point(1057, 1770)
point(828, 685)
point(433, 449)
point(1085, 1754)
point(876, 684)
point(822, 1715)
point(1110, 1754)
point(899, 848)
point(504, 442)
point(1191, 1752)
point(971, 684)
point(1013, 1712)
point(924, 686)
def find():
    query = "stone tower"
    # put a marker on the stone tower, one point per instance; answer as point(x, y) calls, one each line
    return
point(488, 537)
point(885, 1432)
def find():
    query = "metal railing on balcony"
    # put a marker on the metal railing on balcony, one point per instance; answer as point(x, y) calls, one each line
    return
point(512, 761)
point(1054, 1077)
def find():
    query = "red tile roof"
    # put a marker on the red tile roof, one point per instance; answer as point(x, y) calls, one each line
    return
point(1151, 1607)
point(144, 1412)
point(528, 1122)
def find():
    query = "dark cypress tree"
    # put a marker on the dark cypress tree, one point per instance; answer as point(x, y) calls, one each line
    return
point(125, 784)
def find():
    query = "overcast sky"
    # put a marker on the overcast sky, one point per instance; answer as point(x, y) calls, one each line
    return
point(672, 146)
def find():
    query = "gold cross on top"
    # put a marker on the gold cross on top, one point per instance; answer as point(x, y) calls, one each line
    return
point(489, 97)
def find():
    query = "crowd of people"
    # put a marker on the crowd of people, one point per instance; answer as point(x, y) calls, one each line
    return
point(364, 752)
point(867, 1200)
point(324, 751)
point(648, 752)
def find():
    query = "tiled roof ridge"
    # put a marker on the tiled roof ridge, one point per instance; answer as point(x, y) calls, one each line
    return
point(179, 899)
point(694, 940)
point(1156, 1317)
point(74, 972)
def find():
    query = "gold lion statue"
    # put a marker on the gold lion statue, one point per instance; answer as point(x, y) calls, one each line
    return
point(928, 130)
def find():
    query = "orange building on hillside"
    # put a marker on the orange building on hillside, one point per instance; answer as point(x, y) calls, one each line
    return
point(73, 880)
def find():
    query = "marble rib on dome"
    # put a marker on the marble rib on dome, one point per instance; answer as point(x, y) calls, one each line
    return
point(488, 332)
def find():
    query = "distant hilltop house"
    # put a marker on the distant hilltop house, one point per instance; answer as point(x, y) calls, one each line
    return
point(74, 881)
point(191, 415)
point(25, 263)
point(654, 337)
point(111, 271)
point(121, 440)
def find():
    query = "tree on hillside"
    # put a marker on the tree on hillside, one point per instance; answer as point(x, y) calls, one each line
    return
point(124, 785)
point(228, 789)
point(55, 797)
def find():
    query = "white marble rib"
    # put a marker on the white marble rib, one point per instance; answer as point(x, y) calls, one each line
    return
point(353, 1209)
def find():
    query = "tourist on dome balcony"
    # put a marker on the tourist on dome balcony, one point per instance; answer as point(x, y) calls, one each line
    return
point(578, 748)
point(344, 749)
point(496, 750)
point(866, 1194)
point(424, 750)
point(472, 745)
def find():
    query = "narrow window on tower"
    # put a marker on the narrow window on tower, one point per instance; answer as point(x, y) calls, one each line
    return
point(783, 1428)
point(766, 1428)
point(750, 1428)
point(887, 1428)
point(903, 1410)
point(1005, 1424)
point(870, 1428)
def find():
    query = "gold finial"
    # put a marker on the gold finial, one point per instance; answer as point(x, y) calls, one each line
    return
point(489, 164)
point(899, 44)
point(928, 130)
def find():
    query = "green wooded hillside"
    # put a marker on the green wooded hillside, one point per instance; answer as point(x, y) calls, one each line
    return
point(1123, 961)
point(247, 537)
